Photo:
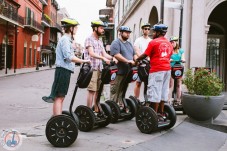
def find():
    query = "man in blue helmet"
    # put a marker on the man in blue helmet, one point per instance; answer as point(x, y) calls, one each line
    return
point(123, 51)
point(159, 50)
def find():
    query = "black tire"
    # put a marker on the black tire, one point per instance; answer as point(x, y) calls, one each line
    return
point(86, 118)
point(116, 113)
point(171, 115)
point(75, 117)
point(61, 131)
point(132, 108)
point(135, 100)
point(146, 120)
point(107, 111)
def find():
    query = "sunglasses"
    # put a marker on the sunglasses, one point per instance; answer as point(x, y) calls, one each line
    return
point(146, 29)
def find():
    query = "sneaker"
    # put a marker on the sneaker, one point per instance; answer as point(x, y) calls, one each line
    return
point(161, 117)
point(48, 99)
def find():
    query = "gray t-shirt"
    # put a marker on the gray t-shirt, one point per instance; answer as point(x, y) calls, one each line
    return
point(126, 50)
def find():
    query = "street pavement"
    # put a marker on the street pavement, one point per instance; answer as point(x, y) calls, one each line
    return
point(22, 109)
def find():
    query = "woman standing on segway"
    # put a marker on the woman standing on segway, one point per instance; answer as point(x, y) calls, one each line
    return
point(178, 55)
point(65, 64)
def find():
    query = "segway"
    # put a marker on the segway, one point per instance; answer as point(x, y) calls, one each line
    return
point(129, 107)
point(143, 72)
point(62, 130)
point(147, 120)
point(87, 116)
point(177, 72)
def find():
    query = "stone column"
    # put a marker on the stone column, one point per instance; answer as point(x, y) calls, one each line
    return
point(198, 34)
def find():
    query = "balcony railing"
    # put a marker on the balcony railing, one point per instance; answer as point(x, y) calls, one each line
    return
point(44, 47)
point(33, 24)
point(57, 27)
point(20, 20)
point(9, 11)
point(44, 2)
point(46, 21)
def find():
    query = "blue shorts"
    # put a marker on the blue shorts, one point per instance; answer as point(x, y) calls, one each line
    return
point(158, 86)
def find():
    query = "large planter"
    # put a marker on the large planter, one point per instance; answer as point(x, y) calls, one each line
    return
point(202, 108)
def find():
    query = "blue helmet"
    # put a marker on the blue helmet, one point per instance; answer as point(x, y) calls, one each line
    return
point(160, 27)
point(124, 28)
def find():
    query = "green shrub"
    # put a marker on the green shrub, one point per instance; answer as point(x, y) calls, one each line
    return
point(202, 82)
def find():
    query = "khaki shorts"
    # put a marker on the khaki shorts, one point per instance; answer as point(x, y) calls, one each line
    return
point(95, 81)
point(158, 86)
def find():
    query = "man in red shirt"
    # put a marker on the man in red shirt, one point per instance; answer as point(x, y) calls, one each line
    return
point(159, 50)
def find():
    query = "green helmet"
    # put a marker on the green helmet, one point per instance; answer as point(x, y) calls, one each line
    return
point(145, 25)
point(97, 23)
point(69, 22)
point(173, 38)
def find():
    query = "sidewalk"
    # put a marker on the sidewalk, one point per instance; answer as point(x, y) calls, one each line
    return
point(23, 71)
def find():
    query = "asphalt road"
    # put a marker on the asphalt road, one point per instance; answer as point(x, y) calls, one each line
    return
point(23, 109)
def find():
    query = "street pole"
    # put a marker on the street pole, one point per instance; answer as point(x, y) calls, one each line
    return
point(181, 23)
point(37, 59)
point(162, 12)
point(15, 48)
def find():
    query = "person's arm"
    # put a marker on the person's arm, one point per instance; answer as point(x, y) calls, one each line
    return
point(94, 55)
point(182, 57)
point(66, 50)
point(78, 60)
point(137, 50)
point(119, 57)
point(141, 57)
point(106, 55)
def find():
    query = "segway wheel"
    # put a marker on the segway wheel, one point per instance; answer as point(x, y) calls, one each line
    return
point(108, 113)
point(116, 113)
point(146, 120)
point(86, 118)
point(171, 115)
point(61, 131)
point(75, 117)
point(135, 100)
point(132, 109)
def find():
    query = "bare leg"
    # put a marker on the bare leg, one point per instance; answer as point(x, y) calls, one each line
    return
point(90, 97)
point(57, 106)
point(137, 89)
point(155, 106)
point(179, 83)
point(171, 83)
point(161, 107)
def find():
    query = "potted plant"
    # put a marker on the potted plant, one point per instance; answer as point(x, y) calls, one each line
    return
point(204, 99)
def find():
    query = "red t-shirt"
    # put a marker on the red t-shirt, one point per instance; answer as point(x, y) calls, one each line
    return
point(159, 50)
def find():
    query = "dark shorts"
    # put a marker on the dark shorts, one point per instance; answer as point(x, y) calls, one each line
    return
point(61, 82)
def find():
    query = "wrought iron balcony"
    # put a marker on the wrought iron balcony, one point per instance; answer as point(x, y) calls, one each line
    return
point(55, 4)
point(46, 21)
point(57, 27)
point(33, 24)
point(8, 12)
point(46, 49)
point(44, 2)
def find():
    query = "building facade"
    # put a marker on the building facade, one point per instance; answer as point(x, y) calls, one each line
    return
point(28, 36)
point(204, 27)
point(51, 29)
point(9, 22)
